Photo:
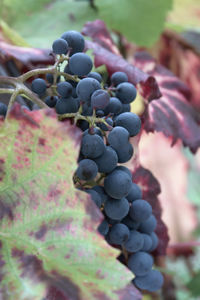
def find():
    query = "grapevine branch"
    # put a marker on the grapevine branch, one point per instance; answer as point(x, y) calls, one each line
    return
point(19, 88)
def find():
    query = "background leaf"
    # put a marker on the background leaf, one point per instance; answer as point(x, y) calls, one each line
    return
point(55, 17)
point(193, 285)
point(48, 238)
point(141, 21)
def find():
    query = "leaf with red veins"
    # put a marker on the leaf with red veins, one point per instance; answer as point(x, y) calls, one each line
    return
point(172, 114)
point(150, 191)
point(100, 34)
point(49, 245)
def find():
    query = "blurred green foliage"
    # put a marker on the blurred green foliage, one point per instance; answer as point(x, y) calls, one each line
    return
point(41, 21)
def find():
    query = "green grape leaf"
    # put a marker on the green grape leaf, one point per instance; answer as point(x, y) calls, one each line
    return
point(141, 21)
point(56, 17)
point(49, 246)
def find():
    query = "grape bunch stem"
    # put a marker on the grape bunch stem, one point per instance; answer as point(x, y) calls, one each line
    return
point(19, 87)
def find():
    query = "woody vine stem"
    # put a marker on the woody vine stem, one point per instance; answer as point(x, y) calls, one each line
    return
point(19, 88)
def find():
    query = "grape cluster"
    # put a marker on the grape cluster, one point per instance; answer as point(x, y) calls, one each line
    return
point(102, 112)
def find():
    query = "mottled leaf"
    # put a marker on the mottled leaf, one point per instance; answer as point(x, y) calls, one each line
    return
point(49, 246)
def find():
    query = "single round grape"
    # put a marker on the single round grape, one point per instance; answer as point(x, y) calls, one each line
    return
point(95, 197)
point(154, 239)
point(124, 153)
point(103, 228)
point(117, 184)
point(149, 225)
point(86, 87)
point(95, 75)
point(124, 169)
point(135, 193)
point(140, 210)
point(60, 46)
point(118, 234)
point(107, 161)
point(51, 101)
point(151, 282)
point(130, 121)
point(126, 92)
point(140, 263)
point(3, 109)
point(38, 86)
point(135, 241)
point(80, 64)
point(118, 137)
point(118, 77)
point(147, 242)
point(66, 106)
point(100, 99)
point(92, 146)
point(114, 106)
point(64, 89)
point(87, 169)
point(99, 189)
point(116, 209)
point(75, 41)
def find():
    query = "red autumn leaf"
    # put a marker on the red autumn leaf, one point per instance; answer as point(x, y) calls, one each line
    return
point(172, 114)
